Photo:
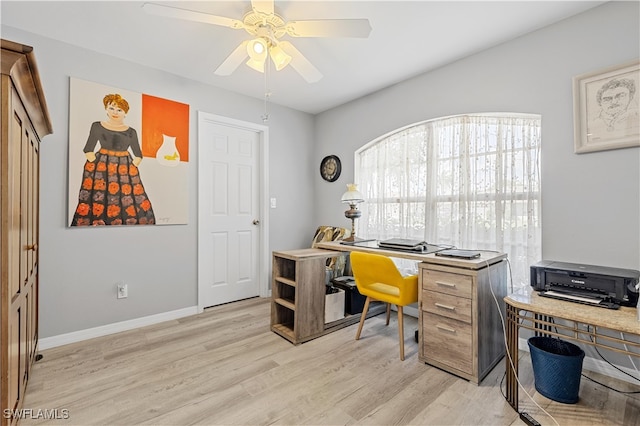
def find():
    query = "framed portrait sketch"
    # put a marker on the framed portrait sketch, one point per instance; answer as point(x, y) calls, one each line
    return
point(605, 108)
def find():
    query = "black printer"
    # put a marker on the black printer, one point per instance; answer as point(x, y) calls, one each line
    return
point(589, 284)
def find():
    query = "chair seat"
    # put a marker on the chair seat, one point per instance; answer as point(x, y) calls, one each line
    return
point(381, 291)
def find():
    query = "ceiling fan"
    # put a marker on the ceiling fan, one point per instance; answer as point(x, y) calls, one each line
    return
point(266, 29)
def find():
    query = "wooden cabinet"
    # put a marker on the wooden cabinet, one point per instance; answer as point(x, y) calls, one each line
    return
point(25, 120)
point(298, 295)
point(460, 303)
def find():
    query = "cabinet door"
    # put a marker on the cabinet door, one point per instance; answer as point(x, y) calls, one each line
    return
point(12, 300)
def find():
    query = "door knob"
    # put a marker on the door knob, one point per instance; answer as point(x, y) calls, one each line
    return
point(256, 221)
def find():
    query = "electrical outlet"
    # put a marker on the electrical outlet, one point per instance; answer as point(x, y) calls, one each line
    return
point(123, 291)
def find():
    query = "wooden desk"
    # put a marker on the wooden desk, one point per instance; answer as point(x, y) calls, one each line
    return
point(590, 325)
point(460, 328)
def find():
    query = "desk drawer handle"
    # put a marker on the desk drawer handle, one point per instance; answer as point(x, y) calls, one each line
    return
point(445, 284)
point(450, 308)
point(444, 328)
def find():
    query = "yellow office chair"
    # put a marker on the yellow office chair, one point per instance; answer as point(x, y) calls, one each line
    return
point(378, 278)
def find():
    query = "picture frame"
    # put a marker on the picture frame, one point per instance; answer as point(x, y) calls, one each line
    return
point(606, 111)
point(134, 175)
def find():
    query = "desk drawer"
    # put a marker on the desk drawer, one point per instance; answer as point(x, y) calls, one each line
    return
point(447, 282)
point(458, 308)
point(448, 342)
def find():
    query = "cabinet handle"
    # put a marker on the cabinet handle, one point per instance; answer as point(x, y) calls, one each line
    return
point(444, 328)
point(33, 247)
point(445, 284)
point(450, 308)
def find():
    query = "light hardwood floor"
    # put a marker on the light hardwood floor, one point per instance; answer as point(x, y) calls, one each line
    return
point(225, 367)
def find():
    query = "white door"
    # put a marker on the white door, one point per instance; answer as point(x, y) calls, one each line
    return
point(230, 215)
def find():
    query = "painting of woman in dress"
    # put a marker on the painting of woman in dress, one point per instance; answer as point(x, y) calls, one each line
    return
point(111, 192)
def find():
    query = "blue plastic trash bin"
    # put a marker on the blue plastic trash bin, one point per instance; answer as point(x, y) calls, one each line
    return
point(557, 367)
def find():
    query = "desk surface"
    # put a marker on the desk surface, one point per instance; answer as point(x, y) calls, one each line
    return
point(624, 319)
point(306, 253)
point(486, 257)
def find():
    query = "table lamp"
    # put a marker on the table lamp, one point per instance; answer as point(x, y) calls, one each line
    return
point(352, 197)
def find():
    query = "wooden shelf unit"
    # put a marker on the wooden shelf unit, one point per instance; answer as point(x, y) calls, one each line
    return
point(298, 295)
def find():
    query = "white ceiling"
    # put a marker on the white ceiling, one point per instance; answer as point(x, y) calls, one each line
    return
point(408, 38)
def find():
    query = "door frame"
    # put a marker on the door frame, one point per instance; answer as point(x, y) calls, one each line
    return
point(263, 197)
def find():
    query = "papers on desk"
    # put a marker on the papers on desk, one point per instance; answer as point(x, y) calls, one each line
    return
point(583, 299)
point(595, 301)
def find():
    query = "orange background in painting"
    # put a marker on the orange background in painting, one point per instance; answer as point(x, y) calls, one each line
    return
point(162, 116)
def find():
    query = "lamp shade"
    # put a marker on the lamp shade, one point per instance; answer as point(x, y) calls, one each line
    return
point(257, 50)
point(279, 57)
point(352, 196)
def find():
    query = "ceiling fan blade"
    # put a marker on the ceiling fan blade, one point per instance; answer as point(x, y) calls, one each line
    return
point(300, 63)
point(234, 60)
point(190, 15)
point(329, 28)
point(263, 6)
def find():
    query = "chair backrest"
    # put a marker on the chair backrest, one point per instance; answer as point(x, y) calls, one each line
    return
point(369, 268)
point(373, 272)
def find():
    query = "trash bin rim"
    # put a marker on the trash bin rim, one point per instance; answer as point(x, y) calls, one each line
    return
point(537, 342)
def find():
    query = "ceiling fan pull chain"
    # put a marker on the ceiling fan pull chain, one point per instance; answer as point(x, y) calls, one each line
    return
point(267, 92)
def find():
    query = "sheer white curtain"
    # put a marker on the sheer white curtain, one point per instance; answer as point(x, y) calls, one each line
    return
point(471, 181)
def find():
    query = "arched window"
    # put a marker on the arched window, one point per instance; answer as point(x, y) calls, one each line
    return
point(470, 181)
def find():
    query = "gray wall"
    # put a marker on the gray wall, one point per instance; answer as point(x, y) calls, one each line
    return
point(79, 268)
point(590, 202)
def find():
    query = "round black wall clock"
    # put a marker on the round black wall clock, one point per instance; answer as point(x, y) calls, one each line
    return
point(330, 168)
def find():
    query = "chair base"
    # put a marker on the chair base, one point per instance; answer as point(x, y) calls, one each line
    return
point(400, 323)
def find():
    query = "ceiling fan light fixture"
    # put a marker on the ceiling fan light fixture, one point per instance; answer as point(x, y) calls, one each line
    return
point(256, 64)
point(279, 57)
point(267, 28)
point(257, 49)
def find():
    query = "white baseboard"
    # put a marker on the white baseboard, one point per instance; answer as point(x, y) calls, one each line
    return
point(595, 365)
point(90, 333)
